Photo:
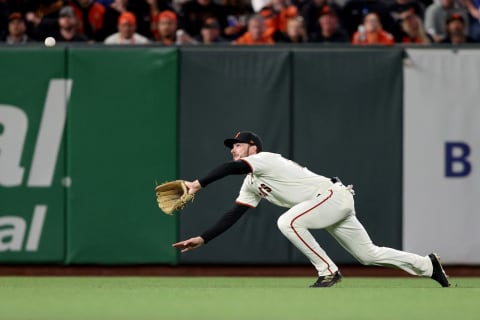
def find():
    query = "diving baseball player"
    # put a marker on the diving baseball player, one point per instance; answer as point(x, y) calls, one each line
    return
point(313, 202)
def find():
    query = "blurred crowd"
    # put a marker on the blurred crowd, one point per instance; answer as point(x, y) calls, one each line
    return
point(196, 22)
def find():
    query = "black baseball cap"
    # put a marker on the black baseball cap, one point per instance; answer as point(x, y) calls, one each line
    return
point(245, 137)
point(326, 9)
point(210, 23)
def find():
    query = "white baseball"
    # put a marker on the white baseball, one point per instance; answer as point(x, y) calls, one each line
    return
point(50, 42)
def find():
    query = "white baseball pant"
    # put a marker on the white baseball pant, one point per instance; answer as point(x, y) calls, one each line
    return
point(335, 212)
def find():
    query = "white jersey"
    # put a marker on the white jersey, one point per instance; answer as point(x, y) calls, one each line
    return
point(315, 202)
point(116, 39)
point(280, 181)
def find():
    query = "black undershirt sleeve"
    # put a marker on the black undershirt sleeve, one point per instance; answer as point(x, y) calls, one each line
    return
point(225, 222)
point(223, 170)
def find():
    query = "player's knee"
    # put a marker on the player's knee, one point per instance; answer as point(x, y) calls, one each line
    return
point(368, 257)
point(284, 224)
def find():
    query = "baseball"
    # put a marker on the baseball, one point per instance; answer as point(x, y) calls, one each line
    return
point(50, 42)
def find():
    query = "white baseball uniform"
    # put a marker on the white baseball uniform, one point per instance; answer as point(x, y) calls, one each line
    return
point(315, 202)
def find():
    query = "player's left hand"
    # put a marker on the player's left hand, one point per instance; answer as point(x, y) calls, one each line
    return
point(189, 244)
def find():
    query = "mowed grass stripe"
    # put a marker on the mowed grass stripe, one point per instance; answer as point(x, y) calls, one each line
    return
point(244, 298)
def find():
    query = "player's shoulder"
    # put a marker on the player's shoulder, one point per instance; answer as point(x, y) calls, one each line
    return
point(263, 157)
point(265, 154)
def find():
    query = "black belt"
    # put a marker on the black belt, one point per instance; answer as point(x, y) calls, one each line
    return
point(336, 180)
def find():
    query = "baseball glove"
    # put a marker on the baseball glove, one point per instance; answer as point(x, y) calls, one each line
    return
point(172, 196)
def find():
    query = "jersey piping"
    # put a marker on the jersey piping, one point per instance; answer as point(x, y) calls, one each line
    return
point(301, 239)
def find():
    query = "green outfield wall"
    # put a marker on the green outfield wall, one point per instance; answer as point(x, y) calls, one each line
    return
point(84, 134)
point(336, 111)
point(32, 155)
point(348, 123)
point(86, 131)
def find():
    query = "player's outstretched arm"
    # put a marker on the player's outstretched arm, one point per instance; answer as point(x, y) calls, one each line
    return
point(233, 167)
point(225, 222)
point(189, 244)
point(223, 170)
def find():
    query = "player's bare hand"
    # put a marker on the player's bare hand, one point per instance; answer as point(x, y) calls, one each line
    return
point(193, 187)
point(189, 244)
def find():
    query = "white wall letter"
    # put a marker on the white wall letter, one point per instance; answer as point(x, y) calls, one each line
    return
point(50, 133)
point(17, 232)
point(15, 123)
point(36, 227)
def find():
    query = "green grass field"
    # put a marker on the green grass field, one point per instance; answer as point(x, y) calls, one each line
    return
point(196, 298)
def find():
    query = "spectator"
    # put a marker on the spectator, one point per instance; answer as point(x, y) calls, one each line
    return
point(194, 12)
point(167, 23)
point(168, 33)
point(210, 32)
point(150, 14)
point(113, 10)
point(395, 10)
point(276, 15)
point(127, 25)
point(238, 12)
point(42, 17)
point(90, 18)
point(399, 6)
point(68, 26)
point(473, 7)
point(371, 32)
point(311, 11)
point(296, 32)
point(256, 33)
point(412, 29)
point(456, 30)
point(436, 15)
point(354, 12)
point(285, 11)
point(17, 29)
point(329, 27)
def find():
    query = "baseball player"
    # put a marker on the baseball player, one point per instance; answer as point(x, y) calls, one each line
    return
point(313, 202)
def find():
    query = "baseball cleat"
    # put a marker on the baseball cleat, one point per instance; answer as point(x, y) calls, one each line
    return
point(438, 274)
point(327, 281)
